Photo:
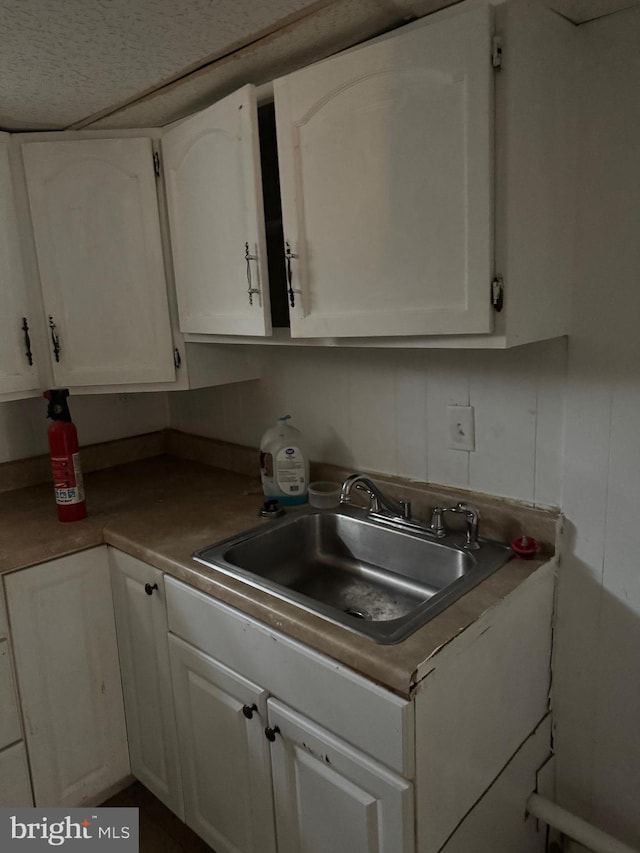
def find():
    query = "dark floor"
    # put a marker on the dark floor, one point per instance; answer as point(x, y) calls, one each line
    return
point(160, 830)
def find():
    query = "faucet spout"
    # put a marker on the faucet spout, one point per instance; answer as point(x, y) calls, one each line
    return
point(400, 509)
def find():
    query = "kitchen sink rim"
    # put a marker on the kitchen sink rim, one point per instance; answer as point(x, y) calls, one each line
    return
point(384, 632)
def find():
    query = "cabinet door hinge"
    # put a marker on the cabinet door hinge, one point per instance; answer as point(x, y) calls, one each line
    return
point(496, 52)
point(497, 293)
point(156, 163)
point(177, 358)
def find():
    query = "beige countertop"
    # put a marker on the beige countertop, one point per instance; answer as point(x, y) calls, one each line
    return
point(163, 509)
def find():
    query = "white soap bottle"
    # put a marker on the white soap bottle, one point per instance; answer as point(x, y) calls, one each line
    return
point(284, 463)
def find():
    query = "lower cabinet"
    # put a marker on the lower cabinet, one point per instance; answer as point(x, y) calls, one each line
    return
point(258, 742)
point(246, 756)
point(141, 622)
point(260, 769)
point(10, 730)
point(224, 753)
point(329, 797)
point(262, 725)
point(15, 783)
point(275, 748)
point(64, 642)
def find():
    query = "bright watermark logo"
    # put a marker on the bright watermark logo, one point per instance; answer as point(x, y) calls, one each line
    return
point(110, 829)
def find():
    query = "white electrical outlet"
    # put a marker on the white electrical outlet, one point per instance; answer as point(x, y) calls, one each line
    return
point(460, 428)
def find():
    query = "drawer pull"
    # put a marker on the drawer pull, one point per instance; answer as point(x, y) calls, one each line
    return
point(270, 733)
point(149, 589)
point(248, 710)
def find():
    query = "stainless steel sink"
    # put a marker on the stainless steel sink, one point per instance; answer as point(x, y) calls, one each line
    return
point(374, 577)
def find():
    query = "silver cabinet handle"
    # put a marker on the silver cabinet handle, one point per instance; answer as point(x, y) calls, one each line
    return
point(248, 258)
point(288, 256)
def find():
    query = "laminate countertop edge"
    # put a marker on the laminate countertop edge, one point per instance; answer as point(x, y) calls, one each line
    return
point(163, 509)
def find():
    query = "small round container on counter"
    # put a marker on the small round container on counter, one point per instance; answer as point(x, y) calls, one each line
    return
point(324, 495)
point(524, 547)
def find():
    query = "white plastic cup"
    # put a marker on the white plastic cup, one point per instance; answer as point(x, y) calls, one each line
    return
point(324, 495)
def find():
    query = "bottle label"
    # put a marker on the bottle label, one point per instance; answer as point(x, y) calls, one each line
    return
point(67, 479)
point(290, 472)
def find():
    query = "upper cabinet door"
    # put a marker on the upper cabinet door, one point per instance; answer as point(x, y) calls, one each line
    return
point(17, 372)
point(96, 226)
point(386, 175)
point(214, 188)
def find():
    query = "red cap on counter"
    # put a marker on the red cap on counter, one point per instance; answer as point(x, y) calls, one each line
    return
point(524, 547)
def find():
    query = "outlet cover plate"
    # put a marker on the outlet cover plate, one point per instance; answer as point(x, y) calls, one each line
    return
point(461, 433)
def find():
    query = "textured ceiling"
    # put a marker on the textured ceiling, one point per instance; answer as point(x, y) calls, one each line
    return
point(133, 63)
point(62, 60)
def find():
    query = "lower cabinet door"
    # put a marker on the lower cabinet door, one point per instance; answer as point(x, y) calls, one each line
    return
point(64, 642)
point(330, 798)
point(15, 785)
point(141, 623)
point(10, 730)
point(224, 754)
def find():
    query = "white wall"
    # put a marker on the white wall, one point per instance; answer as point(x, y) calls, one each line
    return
point(597, 675)
point(23, 423)
point(385, 411)
point(376, 410)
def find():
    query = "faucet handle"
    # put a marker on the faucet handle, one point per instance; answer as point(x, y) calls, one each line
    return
point(436, 525)
point(469, 509)
point(406, 509)
point(374, 506)
point(472, 514)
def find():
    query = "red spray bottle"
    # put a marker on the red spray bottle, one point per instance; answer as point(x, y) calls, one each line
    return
point(65, 458)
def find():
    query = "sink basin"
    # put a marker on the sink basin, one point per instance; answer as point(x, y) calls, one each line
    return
point(371, 576)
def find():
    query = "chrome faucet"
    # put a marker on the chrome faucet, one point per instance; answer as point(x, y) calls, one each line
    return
point(399, 509)
point(471, 514)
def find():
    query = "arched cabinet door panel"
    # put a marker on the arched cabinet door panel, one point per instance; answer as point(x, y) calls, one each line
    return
point(329, 796)
point(66, 654)
point(224, 754)
point(214, 191)
point(95, 217)
point(385, 157)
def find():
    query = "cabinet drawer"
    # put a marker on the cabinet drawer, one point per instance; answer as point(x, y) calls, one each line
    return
point(15, 785)
point(365, 715)
point(9, 721)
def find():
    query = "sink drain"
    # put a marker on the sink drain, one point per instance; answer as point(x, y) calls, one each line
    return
point(358, 614)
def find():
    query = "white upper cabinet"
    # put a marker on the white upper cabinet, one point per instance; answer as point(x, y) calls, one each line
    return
point(214, 190)
point(95, 218)
point(385, 159)
point(17, 371)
